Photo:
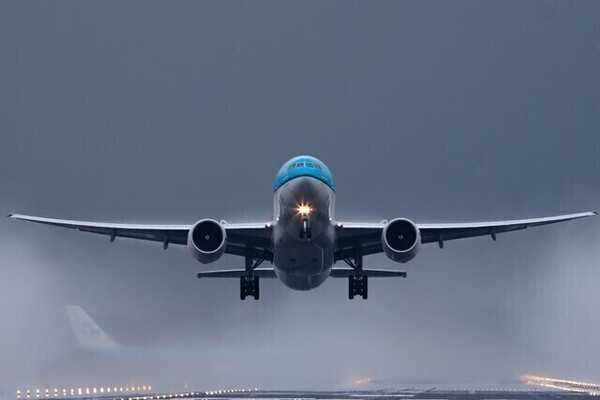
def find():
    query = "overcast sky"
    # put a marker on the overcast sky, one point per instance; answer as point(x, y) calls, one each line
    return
point(177, 111)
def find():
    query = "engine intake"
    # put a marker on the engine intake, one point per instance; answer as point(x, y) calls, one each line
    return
point(206, 240)
point(401, 240)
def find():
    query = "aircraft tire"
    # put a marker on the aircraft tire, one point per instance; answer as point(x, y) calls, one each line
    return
point(256, 288)
point(242, 288)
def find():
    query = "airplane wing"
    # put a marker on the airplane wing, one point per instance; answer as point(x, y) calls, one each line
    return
point(236, 273)
point(270, 273)
point(375, 273)
point(241, 238)
point(367, 236)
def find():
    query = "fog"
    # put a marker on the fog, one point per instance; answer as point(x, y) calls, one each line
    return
point(169, 112)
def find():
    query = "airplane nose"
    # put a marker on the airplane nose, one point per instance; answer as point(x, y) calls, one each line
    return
point(302, 183)
point(305, 188)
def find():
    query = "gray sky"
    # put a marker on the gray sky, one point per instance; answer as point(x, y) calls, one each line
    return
point(176, 111)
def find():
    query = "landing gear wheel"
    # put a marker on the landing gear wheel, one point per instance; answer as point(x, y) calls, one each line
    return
point(249, 287)
point(242, 288)
point(358, 286)
point(256, 288)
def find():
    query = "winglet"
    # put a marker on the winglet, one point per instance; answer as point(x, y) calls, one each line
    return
point(9, 215)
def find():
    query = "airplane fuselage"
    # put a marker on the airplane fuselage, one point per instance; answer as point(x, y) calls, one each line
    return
point(303, 242)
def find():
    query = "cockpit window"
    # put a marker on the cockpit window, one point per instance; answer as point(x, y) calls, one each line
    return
point(308, 164)
point(303, 166)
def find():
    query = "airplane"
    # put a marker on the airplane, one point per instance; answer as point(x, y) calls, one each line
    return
point(87, 332)
point(304, 240)
point(91, 338)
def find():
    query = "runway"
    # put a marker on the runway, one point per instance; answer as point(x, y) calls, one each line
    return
point(386, 394)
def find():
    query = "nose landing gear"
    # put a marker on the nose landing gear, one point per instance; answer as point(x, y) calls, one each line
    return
point(305, 229)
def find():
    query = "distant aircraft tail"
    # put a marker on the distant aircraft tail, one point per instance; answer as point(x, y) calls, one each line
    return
point(87, 333)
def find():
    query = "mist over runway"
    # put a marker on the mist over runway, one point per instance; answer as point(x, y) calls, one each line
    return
point(152, 112)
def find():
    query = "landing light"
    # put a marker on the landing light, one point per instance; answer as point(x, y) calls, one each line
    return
point(304, 210)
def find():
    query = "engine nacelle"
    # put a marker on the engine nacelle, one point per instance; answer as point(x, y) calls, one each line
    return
point(206, 240)
point(401, 240)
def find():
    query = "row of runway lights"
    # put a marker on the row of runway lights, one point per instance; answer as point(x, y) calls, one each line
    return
point(192, 394)
point(592, 389)
point(87, 391)
point(566, 388)
point(535, 379)
point(27, 394)
point(520, 390)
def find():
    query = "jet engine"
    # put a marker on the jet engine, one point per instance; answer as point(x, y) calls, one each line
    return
point(401, 240)
point(206, 240)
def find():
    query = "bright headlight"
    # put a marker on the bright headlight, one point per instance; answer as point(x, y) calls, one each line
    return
point(304, 210)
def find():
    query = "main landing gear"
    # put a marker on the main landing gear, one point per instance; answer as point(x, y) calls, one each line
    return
point(358, 284)
point(249, 285)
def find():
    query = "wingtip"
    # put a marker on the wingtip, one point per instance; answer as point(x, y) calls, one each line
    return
point(9, 215)
point(595, 212)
